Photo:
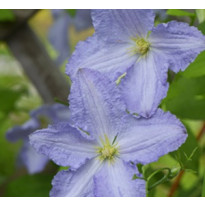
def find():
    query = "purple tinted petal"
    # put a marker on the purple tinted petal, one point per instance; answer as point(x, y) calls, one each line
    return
point(56, 13)
point(54, 113)
point(106, 58)
point(145, 85)
point(33, 161)
point(77, 183)
point(19, 132)
point(115, 180)
point(82, 19)
point(64, 145)
point(58, 36)
point(120, 25)
point(178, 43)
point(145, 140)
point(95, 104)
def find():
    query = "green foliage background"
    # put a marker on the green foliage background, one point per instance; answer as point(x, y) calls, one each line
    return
point(185, 99)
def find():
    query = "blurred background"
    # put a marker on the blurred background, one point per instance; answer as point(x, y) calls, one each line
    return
point(35, 46)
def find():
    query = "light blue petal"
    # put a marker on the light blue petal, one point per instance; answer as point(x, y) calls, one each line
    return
point(114, 25)
point(145, 140)
point(77, 183)
point(59, 38)
point(145, 85)
point(53, 113)
point(33, 161)
point(56, 13)
point(178, 43)
point(82, 19)
point(20, 132)
point(115, 180)
point(96, 105)
point(64, 145)
point(106, 58)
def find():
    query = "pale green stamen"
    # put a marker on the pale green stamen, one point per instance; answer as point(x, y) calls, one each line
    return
point(108, 151)
point(141, 46)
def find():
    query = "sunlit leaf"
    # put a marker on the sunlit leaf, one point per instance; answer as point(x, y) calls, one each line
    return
point(200, 13)
point(179, 12)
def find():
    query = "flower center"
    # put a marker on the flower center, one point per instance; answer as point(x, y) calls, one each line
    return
point(107, 151)
point(141, 46)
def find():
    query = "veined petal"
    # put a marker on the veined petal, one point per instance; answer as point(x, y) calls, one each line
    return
point(115, 180)
point(114, 25)
point(95, 104)
point(106, 58)
point(145, 140)
point(145, 85)
point(64, 145)
point(77, 183)
point(178, 43)
point(33, 161)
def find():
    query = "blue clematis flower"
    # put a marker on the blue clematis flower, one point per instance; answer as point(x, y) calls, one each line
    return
point(58, 34)
point(126, 41)
point(103, 142)
point(40, 118)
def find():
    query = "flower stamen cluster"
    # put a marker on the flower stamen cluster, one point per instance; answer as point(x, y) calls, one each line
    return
point(141, 46)
point(108, 151)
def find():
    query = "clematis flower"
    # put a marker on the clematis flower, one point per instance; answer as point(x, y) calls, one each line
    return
point(58, 34)
point(104, 142)
point(40, 118)
point(126, 41)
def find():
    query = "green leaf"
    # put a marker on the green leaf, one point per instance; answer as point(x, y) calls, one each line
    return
point(2, 179)
point(71, 12)
point(203, 187)
point(186, 97)
point(6, 15)
point(188, 154)
point(179, 12)
point(201, 27)
point(200, 13)
point(9, 98)
point(37, 185)
point(197, 68)
point(8, 150)
point(194, 191)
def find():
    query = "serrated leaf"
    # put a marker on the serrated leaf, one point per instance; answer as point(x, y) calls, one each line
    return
point(6, 15)
point(179, 12)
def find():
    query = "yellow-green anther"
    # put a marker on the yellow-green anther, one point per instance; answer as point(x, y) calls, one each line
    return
point(107, 151)
point(142, 46)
